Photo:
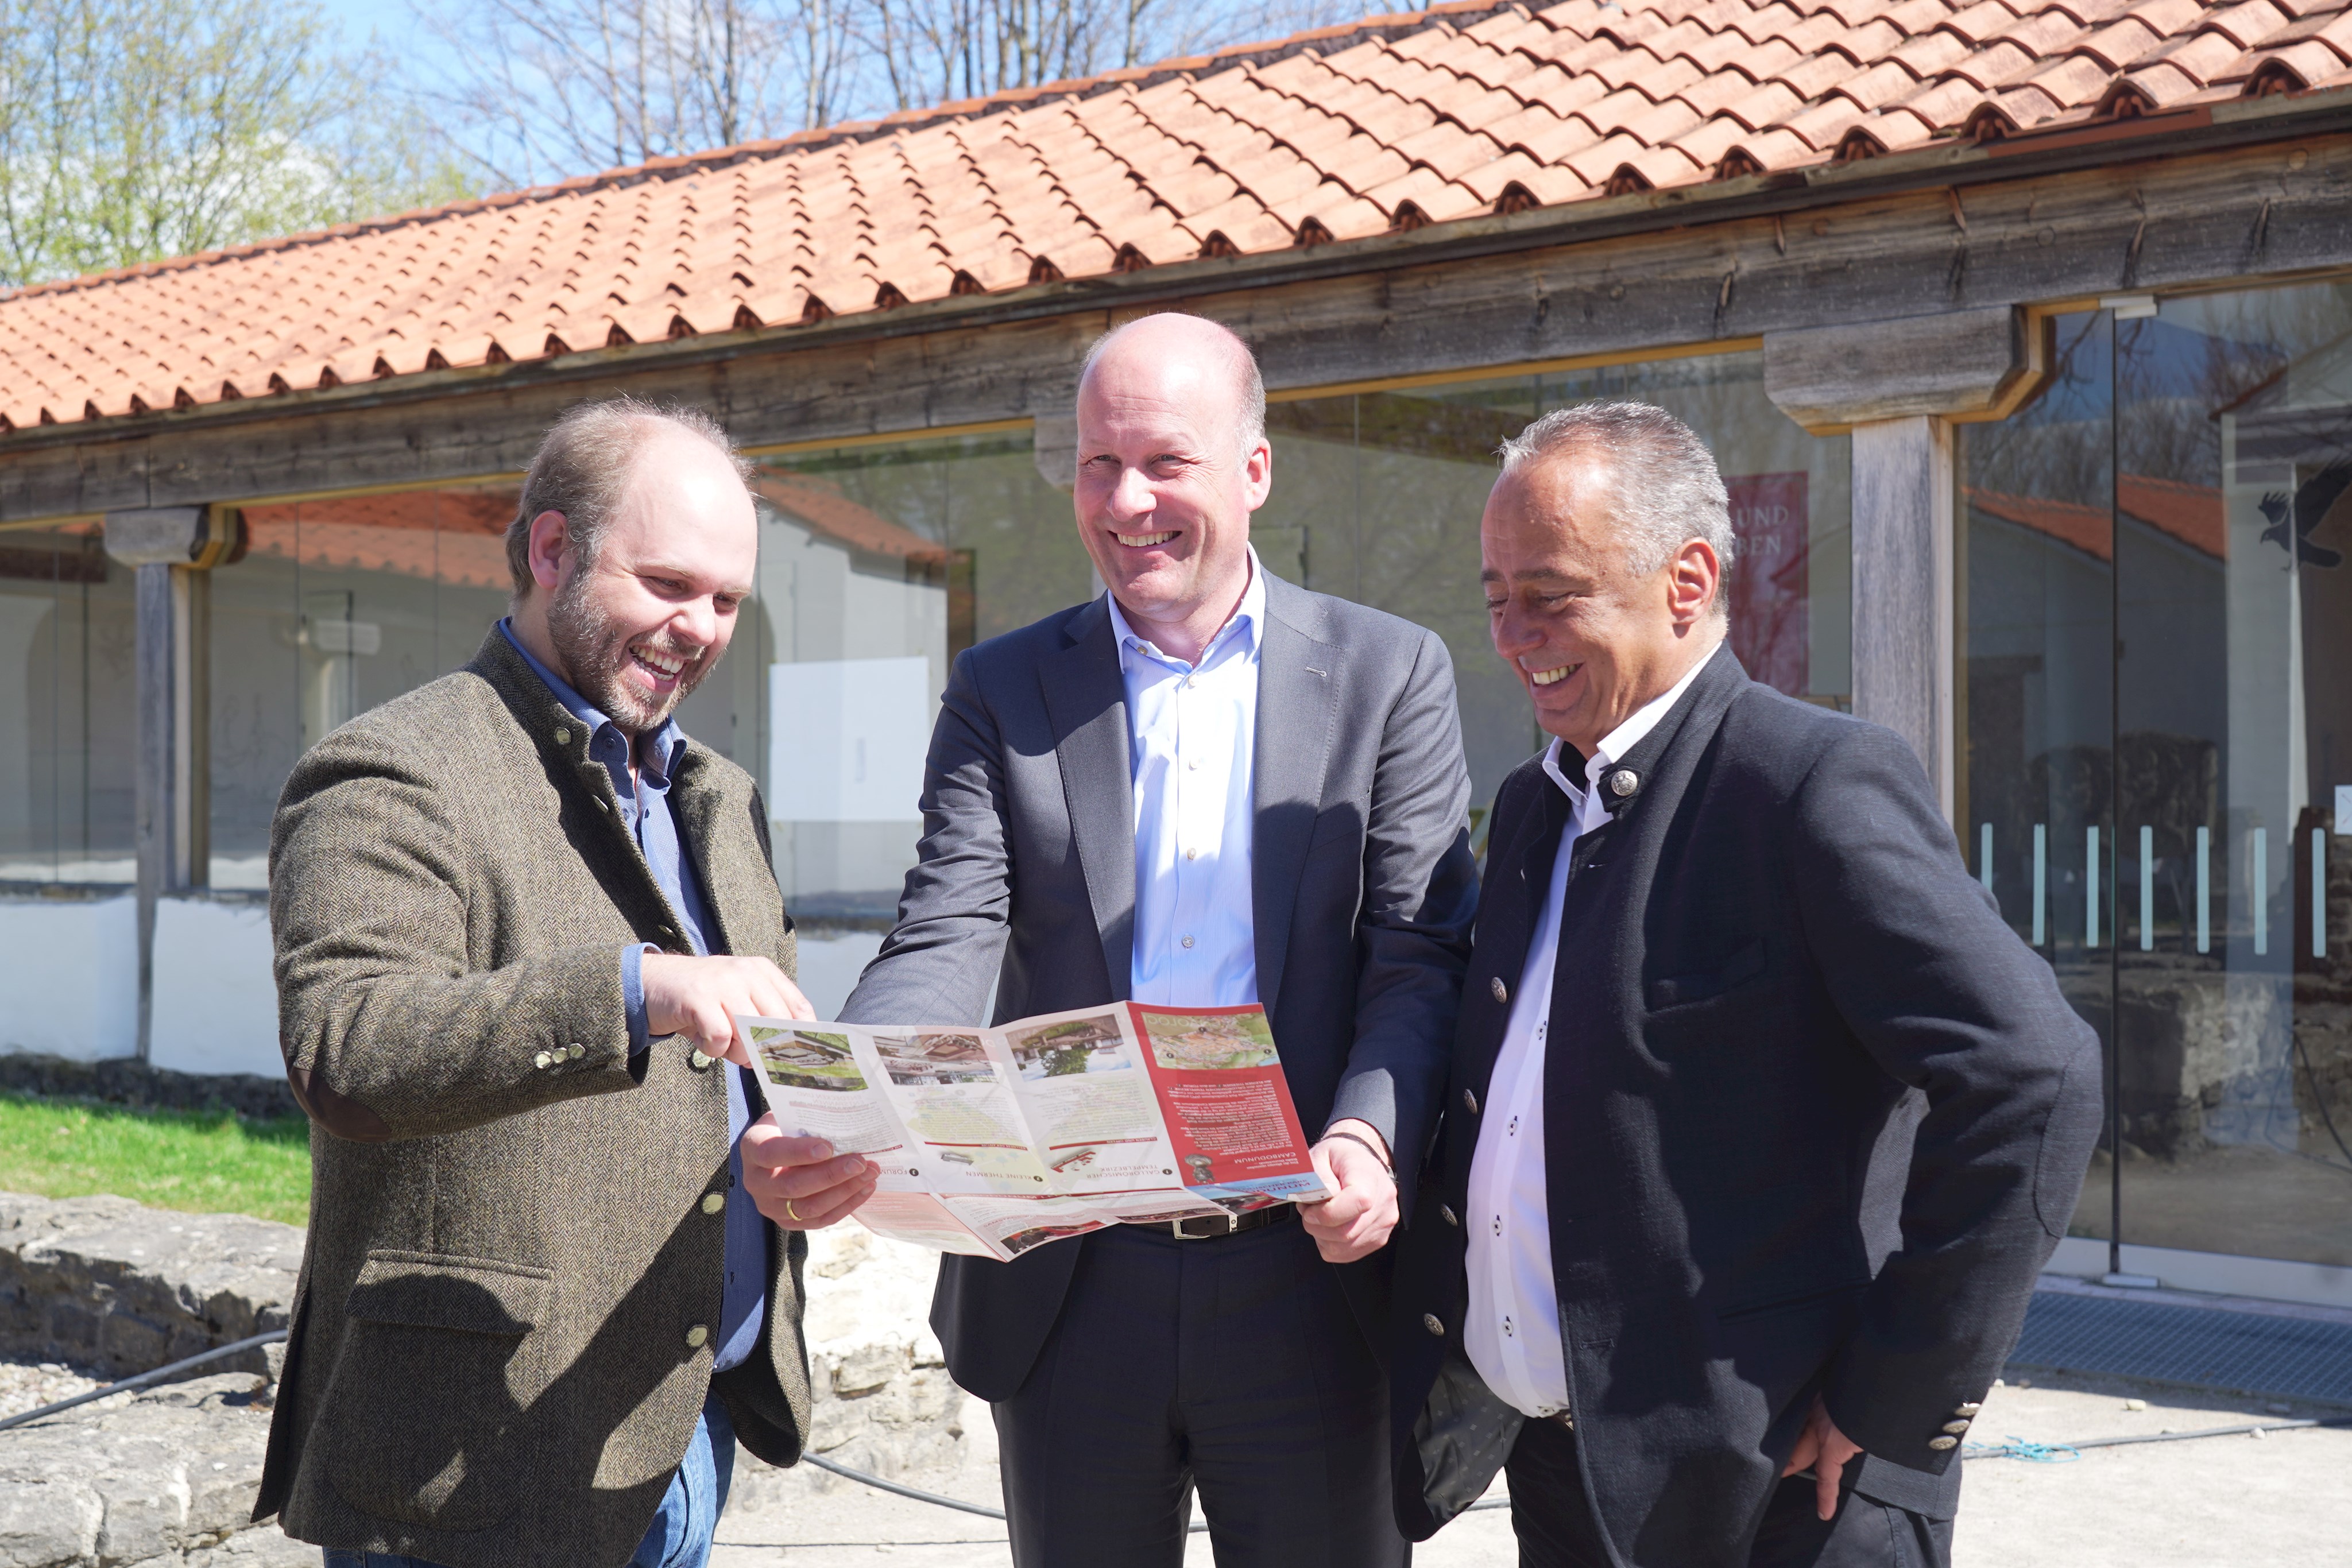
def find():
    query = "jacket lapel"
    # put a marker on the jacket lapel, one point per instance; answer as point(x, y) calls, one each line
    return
point(730, 882)
point(1087, 702)
point(1518, 874)
point(1297, 701)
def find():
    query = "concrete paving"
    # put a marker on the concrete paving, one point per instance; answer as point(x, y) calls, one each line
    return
point(2284, 1501)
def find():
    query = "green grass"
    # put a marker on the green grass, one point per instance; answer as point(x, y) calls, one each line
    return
point(198, 1162)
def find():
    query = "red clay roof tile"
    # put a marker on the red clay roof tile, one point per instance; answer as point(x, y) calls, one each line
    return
point(1400, 120)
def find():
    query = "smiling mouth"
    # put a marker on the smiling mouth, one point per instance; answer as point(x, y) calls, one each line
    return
point(1143, 541)
point(659, 666)
point(1551, 678)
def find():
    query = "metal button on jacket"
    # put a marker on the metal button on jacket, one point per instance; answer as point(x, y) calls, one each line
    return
point(541, 1060)
point(1428, 1320)
point(1956, 1426)
point(1502, 992)
point(1966, 1409)
point(1941, 1444)
point(696, 1336)
point(1623, 782)
point(712, 1202)
point(1470, 1102)
point(699, 1061)
point(1445, 1212)
point(563, 737)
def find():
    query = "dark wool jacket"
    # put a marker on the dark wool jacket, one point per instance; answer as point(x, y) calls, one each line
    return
point(495, 1360)
point(1814, 1118)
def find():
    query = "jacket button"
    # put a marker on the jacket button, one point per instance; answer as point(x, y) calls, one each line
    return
point(1623, 782)
point(697, 1337)
point(699, 1061)
point(542, 1058)
point(563, 737)
point(1966, 1409)
point(578, 1051)
point(1428, 1320)
point(712, 1202)
point(1502, 992)
point(1447, 1214)
point(1469, 1102)
point(1956, 1426)
point(1941, 1444)
point(601, 806)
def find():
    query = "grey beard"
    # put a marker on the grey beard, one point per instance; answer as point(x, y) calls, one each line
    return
point(597, 654)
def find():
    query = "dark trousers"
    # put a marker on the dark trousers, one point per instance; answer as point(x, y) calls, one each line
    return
point(1556, 1528)
point(1232, 1365)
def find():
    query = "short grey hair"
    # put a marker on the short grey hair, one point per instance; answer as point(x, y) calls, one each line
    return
point(1667, 488)
point(1246, 371)
point(583, 465)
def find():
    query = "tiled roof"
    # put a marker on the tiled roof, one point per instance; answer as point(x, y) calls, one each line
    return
point(1383, 125)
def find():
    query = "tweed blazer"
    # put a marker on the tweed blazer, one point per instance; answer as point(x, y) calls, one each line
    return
point(503, 1333)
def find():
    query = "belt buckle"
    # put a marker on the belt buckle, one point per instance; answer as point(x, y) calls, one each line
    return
point(1176, 1227)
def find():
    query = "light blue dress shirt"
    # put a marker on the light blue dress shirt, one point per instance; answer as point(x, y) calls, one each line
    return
point(1191, 746)
point(645, 808)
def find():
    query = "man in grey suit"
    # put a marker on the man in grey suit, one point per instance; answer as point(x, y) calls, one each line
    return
point(1206, 787)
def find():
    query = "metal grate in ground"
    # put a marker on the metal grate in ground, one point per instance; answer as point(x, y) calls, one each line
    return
point(2244, 1352)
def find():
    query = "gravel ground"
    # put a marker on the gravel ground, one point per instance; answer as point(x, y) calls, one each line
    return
point(28, 1384)
point(2284, 1500)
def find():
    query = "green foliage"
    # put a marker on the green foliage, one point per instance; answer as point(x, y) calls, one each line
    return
point(131, 131)
point(194, 1161)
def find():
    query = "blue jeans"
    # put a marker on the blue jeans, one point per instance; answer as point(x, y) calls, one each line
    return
point(679, 1536)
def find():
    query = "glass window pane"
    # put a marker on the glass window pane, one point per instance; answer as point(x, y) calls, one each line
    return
point(2233, 439)
point(337, 606)
point(67, 707)
point(1377, 497)
point(2035, 541)
point(878, 565)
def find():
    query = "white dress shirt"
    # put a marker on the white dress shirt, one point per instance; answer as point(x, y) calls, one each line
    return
point(1192, 742)
point(1512, 1329)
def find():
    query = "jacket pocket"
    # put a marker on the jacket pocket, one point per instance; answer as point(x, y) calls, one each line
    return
point(1741, 967)
point(423, 1421)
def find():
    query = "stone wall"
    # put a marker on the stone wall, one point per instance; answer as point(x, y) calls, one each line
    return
point(167, 1477)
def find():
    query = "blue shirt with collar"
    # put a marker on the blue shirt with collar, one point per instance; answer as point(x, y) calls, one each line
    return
point(1191, 738)
point(644, 810)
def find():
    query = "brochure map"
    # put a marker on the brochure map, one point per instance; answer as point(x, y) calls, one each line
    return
point(995, 1141)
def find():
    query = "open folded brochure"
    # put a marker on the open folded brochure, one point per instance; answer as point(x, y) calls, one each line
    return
point(995, 1141)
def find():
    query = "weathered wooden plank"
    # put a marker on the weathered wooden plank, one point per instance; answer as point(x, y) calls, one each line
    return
point(2272, 211)
point(1955, 364)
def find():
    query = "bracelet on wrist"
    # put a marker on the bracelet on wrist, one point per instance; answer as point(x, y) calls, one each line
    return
point(1366, 1144)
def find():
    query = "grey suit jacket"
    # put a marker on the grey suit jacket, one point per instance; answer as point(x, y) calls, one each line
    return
point(1363, 890)
point(495, 1360)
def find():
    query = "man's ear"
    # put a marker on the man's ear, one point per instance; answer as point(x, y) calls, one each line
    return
point(1693, 583)
point(551, 542)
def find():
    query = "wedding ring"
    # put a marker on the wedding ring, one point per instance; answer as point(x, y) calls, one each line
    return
point(793, 1212)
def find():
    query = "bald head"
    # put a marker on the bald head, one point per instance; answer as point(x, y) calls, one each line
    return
point(1200, 350)
point(1172, 460)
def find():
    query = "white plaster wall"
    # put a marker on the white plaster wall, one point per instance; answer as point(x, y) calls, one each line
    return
point(829, 967)
point(69, 977)
point(216, 1003)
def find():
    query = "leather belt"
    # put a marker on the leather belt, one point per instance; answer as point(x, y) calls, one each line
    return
point(1210, 1225)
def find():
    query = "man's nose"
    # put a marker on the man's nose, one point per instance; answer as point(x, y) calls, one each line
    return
point(1131, 497)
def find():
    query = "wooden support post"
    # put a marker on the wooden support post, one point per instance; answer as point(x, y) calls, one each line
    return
point(167, 547)
point(1903, 597)
point(1898, 386)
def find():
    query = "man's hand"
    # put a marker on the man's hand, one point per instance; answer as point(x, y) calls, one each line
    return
point(1825, 1450)
point(798, 1182)
point(699, 999)
point(1357, 1223)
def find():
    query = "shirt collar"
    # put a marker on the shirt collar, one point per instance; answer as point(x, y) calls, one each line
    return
point(1624, 738)
point(658, 755)
point(1241, 625)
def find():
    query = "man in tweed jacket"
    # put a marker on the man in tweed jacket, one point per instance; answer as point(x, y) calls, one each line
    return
point(544, 1294)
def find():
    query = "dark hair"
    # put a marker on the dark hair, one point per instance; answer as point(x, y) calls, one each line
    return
point(582, 463)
